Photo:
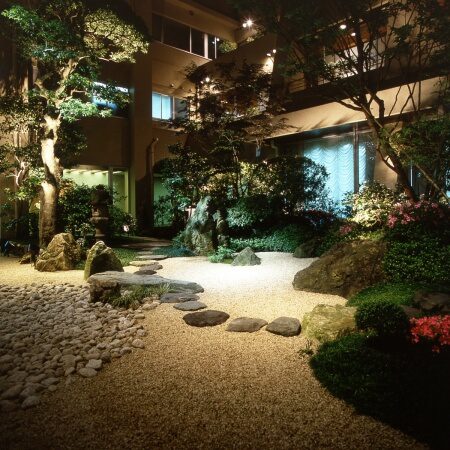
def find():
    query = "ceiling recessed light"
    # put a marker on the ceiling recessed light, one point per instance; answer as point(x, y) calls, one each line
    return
point(342, 26)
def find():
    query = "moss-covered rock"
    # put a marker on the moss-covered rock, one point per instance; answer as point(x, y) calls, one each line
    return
point(326, 322)
point(101, 258)
point(345, 269)
point(246, 257)
point(62, 253)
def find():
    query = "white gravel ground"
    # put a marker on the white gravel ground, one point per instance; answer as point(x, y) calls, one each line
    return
point(206, 388)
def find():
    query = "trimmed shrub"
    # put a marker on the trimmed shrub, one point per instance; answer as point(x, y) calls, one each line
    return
point(398, 293)
point(424, 260)
point(384, 317)
point(221, 255)
point(286, 239)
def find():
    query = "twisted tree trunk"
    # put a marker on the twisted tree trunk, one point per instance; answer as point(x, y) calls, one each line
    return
point(51, 184)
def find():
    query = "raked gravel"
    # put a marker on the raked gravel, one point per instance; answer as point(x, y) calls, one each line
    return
point(206, 387)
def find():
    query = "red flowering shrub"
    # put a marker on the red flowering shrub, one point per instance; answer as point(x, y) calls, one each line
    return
point(433, 329)
point(423, 212)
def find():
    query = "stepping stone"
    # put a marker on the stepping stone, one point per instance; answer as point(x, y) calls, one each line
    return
point(142, 263)
point(190, 305)
point(150, 266)
point(207, 318)
point(150, 256)
point(128, 279)
point(145, 272)
point(178, 297)
point(284, 326)
point(246, 324)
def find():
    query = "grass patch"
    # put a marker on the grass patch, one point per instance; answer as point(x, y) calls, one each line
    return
point(135, 295)
point(125, 255)
point(173, 251)
point(406, 387)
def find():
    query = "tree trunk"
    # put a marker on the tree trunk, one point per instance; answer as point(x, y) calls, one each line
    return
point(383, 146)
point(47, 213)
point(50, 185)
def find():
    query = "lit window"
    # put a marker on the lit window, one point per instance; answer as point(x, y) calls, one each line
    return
point(166, 107)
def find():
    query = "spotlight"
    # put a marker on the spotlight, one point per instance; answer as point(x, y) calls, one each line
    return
point(353, 34)
point(248, 23)
point(207, 79)
point(342, 26)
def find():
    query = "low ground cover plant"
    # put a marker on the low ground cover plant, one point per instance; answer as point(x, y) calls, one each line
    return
point(134, 295)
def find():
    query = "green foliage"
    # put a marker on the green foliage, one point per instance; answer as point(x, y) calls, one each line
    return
point(405, 388)
point(423, 260)
point(250, 211)
point(384, 317)
point(226, 46)
point(174, 251)
point(285, 239)
point(400, 293)
point(426, 143)
point(134, 295)
point(222, 254)
point(125, 255)
point(371, 206)
point(120, 221)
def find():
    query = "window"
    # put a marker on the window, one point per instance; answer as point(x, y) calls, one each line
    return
point(184, 37)
point(176, 34)
point(348, 161)
point(166, 107)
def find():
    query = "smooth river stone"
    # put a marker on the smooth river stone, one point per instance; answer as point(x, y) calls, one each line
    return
point(190, 305)
point(209, 318)
point(284, 326)
point(178, 297)
point(246, 324)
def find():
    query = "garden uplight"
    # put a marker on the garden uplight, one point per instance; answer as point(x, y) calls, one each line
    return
point(248, 23)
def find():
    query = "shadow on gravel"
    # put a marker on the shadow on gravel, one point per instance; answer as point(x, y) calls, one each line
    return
point(407, 387)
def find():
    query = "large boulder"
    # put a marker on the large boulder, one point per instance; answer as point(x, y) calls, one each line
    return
point(246, 257)
point(63, 253)
point(344, 270)
point(200, 234)
point(101, 258)
point(327, 322)
point(432, 302)
point(130, 279)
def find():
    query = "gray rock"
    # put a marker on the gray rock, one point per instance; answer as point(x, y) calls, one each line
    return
point(95, 364)
point(49, 381)
point(284, 326)
point(178, 297)
point(246, 257)
point(101, 258)
point(12, 392)
point(29, 402)
point(246, 324)
point(327, 322)
point(200, 233)
point(190, 305)
point(345, 269)
point(127, 279)
point(151, 266)
point(62, 253)
point(150, 257)
point(137, 343)
point(432, 302)
point(87, 372)
point(102, 290)
point(149, 306)
point(207, 318)
point(145, 272)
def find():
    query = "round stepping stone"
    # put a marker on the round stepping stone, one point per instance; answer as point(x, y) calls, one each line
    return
point(178, 297)
point(284, 326)
point(145, 272)
point(150, 256)
point(246, 324)
point(208, 318)
point(144, 263)
point(190, 305)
